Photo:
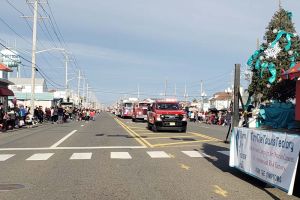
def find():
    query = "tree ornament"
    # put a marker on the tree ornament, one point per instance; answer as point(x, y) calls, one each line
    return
point(272, 52)
point(275, 30)
point(268, 85)
point(290, 52)
point(261, 58)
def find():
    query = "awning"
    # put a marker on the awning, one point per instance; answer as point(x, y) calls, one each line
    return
point(292, 73)
point(6, 92)
point(3, 67)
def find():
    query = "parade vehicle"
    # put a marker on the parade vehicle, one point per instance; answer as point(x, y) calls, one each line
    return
point(166, 115)
point(140, 110)
point(127, 107)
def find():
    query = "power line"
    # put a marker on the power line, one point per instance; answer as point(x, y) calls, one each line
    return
point(20, 36)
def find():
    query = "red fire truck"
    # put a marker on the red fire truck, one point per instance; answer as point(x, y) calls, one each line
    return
point(140, 110)
point(166, 115)
point(126, 107)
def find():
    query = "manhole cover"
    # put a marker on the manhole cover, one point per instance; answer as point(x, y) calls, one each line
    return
point(7, 187)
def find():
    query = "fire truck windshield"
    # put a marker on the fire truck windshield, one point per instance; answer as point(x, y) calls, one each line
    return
point(143, 105)
point(167, 106)
point(128, 105)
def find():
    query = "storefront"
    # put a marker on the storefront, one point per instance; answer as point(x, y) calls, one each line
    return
point(4, 91)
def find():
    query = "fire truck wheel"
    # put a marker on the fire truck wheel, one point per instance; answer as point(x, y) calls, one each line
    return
point(183, 129)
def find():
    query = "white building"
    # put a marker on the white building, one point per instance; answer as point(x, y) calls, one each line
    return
point(221, 100)
point(22, 91)
point(23, 85)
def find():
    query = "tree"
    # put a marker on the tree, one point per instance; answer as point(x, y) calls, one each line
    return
point(279, 51)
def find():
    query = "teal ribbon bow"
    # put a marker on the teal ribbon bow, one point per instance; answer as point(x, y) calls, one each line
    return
point(254, 56)
point(272, 69)
point(288, 38)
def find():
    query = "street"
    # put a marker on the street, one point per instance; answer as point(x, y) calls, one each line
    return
point(113, 158)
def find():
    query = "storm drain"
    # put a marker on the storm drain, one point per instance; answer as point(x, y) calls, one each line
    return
point(99, 134)
point(8, 187)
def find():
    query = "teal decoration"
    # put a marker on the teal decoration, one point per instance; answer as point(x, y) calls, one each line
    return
point(254, 56)
point(271, 68)
point(288, 37)
point(293, 61)
point(290, 15)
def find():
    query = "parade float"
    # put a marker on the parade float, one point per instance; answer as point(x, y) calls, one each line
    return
point(269, 150)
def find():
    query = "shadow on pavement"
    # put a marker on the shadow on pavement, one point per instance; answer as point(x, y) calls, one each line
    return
point(221, 161)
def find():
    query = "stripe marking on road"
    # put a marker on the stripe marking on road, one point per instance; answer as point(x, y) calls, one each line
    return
point(81, 156)
point(40, 156)
point(192, 154)
point(120, 155)
point(63, 139)
point(158, 154)
point(4, 157)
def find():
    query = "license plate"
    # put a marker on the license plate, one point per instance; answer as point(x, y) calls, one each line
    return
point(172, 123)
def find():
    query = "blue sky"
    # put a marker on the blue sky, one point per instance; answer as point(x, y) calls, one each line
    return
point(122, 44)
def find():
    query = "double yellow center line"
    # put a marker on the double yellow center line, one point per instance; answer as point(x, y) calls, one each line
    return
point(136, 136)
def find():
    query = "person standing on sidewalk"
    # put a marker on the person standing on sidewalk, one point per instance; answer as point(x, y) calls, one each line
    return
point(60, 113)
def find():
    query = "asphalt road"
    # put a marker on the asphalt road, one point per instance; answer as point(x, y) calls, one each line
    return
point(114, 158)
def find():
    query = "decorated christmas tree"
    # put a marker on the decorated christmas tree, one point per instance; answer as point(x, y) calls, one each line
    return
point(279, 51)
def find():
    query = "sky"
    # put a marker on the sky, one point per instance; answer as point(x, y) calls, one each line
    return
point(121, 46)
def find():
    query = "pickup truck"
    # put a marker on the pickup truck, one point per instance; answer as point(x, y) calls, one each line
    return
point(166, 115)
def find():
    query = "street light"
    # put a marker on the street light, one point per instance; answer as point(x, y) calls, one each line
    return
point(66, 75)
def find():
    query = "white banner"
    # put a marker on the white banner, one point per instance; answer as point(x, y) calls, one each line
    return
point(267, 155)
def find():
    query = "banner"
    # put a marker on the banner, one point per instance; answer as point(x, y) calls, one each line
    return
point(270, 156)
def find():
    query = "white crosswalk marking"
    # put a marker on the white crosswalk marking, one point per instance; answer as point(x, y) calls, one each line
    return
point(158, 154)
point(120, 155)
point(192, 154)
point(81, 156)
point(40, 156)
point(4, 157)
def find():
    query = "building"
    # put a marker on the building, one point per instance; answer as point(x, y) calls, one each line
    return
point(4, 83)
point(22, 90)
point(221, 100)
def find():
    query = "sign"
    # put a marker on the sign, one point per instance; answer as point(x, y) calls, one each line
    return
point(269, 156)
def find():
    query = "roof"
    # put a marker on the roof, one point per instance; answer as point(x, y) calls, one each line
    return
point(3, 67)
point(221, 96)
point(27, 81)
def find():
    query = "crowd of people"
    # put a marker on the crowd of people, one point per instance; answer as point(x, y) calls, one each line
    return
point(23, 116)
point(222, 118)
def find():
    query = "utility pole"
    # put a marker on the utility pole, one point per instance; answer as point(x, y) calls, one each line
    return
point(33, 59)
point(257, 43)
point(201, 91)
point(87, 94)
point(166, 85)
point(78, 87)
point(185, 94)
point(236, 92)
point(66, 75)
point(175, 91)
point(138, 87)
